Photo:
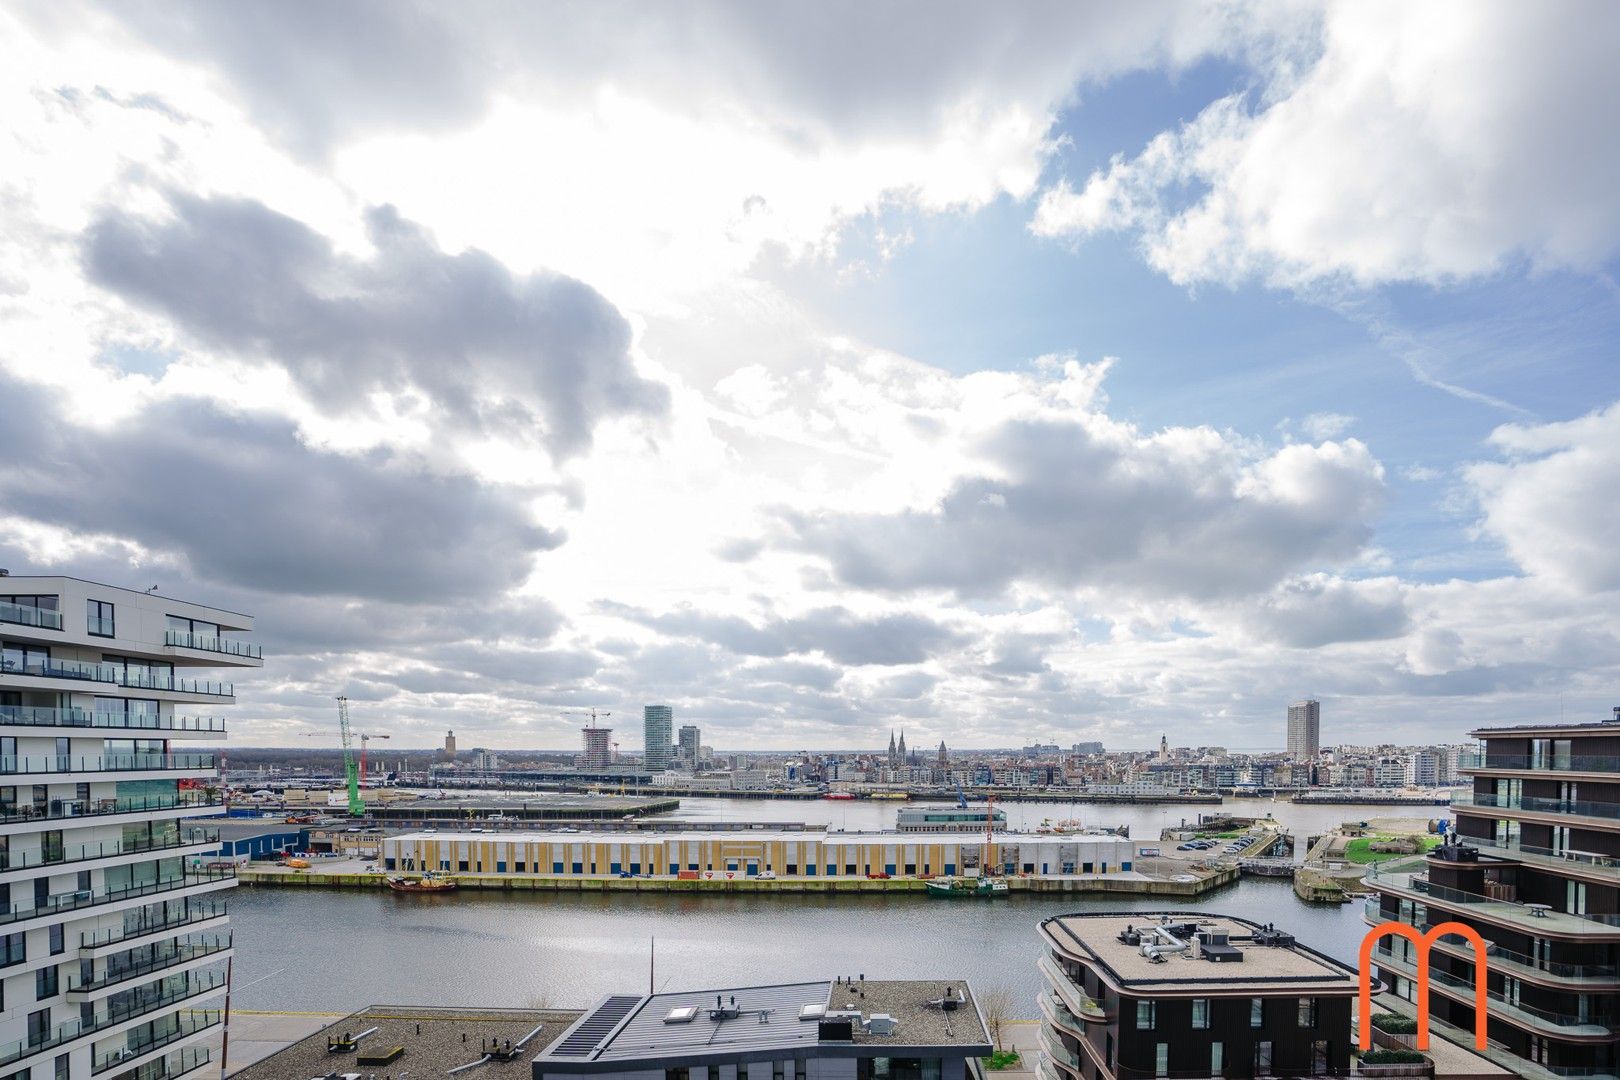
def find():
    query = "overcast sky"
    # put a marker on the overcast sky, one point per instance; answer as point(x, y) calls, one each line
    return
point(998, 372)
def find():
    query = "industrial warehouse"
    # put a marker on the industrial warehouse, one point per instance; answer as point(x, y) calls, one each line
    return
point(752, 853)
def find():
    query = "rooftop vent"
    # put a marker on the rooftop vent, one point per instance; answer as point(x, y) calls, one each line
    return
point(683, 1014)
point(1271, 936)
point(880, 1024)
point(813, 1011)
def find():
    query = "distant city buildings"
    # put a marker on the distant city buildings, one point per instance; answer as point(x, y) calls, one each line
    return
point(658, 723)
point(1305, 729)
point(690, 750)
point(598, 747)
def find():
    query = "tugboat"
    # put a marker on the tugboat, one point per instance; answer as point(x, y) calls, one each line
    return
point(427, 883)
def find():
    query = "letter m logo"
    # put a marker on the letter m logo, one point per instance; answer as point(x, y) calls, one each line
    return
point(1422, 942)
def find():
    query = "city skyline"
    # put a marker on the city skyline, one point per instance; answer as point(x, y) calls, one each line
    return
point(1111, 369)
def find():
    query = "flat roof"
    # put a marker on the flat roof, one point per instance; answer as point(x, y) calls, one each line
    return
point(1094, 938)
point(14, 578)
point(436, 1040)
point(556, 836)
point(764, 1020)
point(1597, 727)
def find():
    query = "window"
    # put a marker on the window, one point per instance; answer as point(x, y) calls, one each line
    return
point(45, 983)
point(1319, 1057)
point(39, 1026)
point(12, 950)
point(677, 1074)
point(1144, 1015)
point(58, 942)
point(1307, 1012)
point(98, 618)
point(61, 1071)
point(1161, 1060)
point(1200, 1014)
point(1217, 1058)
point(1262, 1058)
point(1257, 1013)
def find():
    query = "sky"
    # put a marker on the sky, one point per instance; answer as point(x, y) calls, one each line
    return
point(998, 373)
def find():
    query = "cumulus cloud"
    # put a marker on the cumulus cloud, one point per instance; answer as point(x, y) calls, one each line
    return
point(834, 632)
point(1417, 143)
point(1319, 609)
point(489, 351)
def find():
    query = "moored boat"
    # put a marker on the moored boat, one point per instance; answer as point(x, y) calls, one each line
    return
point(427, 883)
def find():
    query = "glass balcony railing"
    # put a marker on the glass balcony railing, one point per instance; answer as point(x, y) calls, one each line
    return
point(137, 1005)
point(1491, 905)
point(89, 898)
point(186, 1025)
point(76, 853)
point(30, 716)
point(1544, 806)
point(1599, 763)
point(169, 1067)
point(196, 911)
point(212, 643)
point(107, 763)
point(1534, 1015)
point(29, 615)
point(116, 675)
point(1500, 958)
point(149, 966)
point(68, 809)
point(1541, 855)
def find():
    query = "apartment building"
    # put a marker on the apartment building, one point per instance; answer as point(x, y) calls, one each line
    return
point(113, 935)
point(1536, 872)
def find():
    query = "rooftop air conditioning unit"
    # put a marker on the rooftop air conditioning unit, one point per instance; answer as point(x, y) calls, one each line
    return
point(880, 1024)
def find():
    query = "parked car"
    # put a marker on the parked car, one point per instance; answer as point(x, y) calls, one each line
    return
point(1186, 847)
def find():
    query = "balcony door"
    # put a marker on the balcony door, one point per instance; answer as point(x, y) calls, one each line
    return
point(1575, 897)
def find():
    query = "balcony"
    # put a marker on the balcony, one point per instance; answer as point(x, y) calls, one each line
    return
point(150, 967)
point(1532, 968)
point(29, 615)
point(78, 901)
point(51, 763)
point(1587, 763)
point(180, 639)
point(1541, 856)
point(1607, 811)
point(137, 1006)
point(1532, 1018)
point(28, 716)
point(1534, 921)
point(108, 849)
point(1053, 1048)
point(1075, 999)
point(173, 1066)
point(116, 675)
point(68, 810)
point(197, 915)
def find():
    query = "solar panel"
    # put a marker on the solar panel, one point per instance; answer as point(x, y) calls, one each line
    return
point(590, 1032)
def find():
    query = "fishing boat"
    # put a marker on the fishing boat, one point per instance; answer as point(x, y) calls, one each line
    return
point(427, 883)
point(954, 888)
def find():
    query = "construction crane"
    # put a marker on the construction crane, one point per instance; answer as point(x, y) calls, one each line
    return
point(364, 737)
point(357, 806)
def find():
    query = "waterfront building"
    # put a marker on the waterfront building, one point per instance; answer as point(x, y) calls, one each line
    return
point(690, 749)
point(914, 819)
point(598, 747)
point(1536, 872)
point(1131, 995)
point(658, 722)
point(855, 1029)
point(1305, 728)
point(115, 944)
point(786, 853)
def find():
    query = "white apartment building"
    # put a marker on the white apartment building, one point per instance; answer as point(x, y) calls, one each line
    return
point(113, 935)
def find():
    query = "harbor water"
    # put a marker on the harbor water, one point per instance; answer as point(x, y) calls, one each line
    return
point(339, 950)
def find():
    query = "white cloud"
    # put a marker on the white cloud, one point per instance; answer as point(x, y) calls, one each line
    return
point(1398, 143)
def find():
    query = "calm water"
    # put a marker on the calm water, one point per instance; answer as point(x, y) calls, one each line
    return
point(339, 950)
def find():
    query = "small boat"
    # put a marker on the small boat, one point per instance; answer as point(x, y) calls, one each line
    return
point(840, 796)
point(427, 883)
point(953, 888)
point(296, 864)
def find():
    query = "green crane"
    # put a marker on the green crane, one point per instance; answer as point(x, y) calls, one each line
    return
point(351, 771)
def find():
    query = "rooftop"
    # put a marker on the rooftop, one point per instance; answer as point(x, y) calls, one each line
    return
point(1288, 968)
point(767, 1019)
point(788, 835)
point(1598, 727)
point(435, 1040)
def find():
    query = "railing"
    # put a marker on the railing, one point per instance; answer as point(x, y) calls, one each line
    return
point(1545, 806)
point(1506, 1005)
point(75, 901)
point(137, 1005)
point(152, 965)
point(100, 625)
point(1530, 851)
point(1602, 763)
point(69, 809)
point(1077, 1000)
point(1057, 1051)
point(196, 911)
point(106, 849)
point(28, 715)
point(108, 763)
point(1424, 886)
point(29, 615)
point(176, 1064)
point(116, 675)
point(212, 643)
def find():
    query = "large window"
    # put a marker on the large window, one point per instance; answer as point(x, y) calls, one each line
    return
point(1307, 1012)
point(1200, 1018)
point(98, 618)
point(1145, 1014)
point(1257, 1012)
point(1161, 1060)
point(18, 658)
point(12, 950)
point(1217, 1058)
point(882, 1068)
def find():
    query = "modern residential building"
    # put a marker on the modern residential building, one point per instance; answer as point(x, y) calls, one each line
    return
point(1305, 729)
point(598, 747)
point(859, 1029)
point(658, 722)
point(1146, 994)
point(1536, 872)
point(690, 750)
point(115, 941)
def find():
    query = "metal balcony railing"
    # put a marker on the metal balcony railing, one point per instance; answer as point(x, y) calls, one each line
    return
point(89, 898)
point(212, 643)
point(66, 810)
point(106, 849)
point(30, 716)
point(178, 1064)
point(137, 1005)
point(150, 965)
point(1601, 763)
point(195, 911)
point(1502, 1005)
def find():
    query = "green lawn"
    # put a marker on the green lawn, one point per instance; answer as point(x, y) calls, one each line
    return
point(1360, 851)
point(1001, 1059)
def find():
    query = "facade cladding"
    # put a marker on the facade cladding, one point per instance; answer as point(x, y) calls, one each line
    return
point(1535, 872)
point(115, 944)
point(658, 724)
point(1188, 994)
point(841, 1030)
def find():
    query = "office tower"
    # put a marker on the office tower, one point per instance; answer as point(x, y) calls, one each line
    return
point(691, 749)
point(115, 940)
point(658, 722)
point(1305, 728)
